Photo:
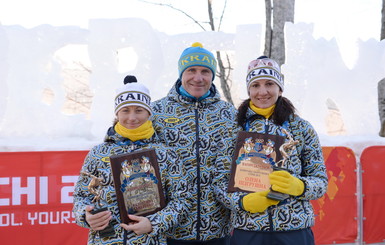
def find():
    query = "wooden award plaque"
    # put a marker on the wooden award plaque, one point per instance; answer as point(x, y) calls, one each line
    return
point(255, 155)
point(137, 182)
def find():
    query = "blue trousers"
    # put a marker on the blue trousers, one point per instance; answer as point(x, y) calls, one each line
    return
point(218, 241)
point(297, 237)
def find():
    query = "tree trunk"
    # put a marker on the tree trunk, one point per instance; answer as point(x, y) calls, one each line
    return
point(224, 80)
point(269, 30)
point(381, 84)
point(226, 90)
point(224, 71)
point(283, 11)
point(383, 21)
point(381, 105)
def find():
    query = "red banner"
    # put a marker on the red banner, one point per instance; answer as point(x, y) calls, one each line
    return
point(373, 190)
point(36, 191)
point(336, 211)
point(36, 198)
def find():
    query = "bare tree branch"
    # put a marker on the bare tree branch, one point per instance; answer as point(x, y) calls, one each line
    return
point(229, 70)
point(222, 76)
point(210, 9)
point(83, 66)
point(223, 13)
point(177, 9)
point(224, 73)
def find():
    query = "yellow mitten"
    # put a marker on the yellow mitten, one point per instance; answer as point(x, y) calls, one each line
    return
point(284, 182)
point(257, 202)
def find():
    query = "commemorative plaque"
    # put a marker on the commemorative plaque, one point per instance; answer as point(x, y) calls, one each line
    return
point(286, 150)
point(95, 188)
point(137, 183)
point(255, 157)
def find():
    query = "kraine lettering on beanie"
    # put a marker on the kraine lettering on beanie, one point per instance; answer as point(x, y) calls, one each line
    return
point(196, 55)
point(264, 68)
point(132, 93)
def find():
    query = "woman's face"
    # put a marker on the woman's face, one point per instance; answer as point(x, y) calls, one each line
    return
point(264, 93)
point(132, 116)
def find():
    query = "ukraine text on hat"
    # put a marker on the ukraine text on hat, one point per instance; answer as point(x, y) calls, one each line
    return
point(267, 72)
point(197, 59)
point(132, 96)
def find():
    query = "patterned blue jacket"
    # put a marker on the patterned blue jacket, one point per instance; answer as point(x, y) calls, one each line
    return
point(305, 163)
point(97, 163)
point(201, 133)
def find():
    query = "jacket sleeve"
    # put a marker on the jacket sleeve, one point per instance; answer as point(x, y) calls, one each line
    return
point(221, 176)
point(313, 173)
point(81, 194)
point(177, 189)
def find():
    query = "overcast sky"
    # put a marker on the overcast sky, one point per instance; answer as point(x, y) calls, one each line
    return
point(345, 19)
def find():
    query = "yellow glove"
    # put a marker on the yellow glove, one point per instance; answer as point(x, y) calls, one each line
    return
point(257, 202)
point(284, 182)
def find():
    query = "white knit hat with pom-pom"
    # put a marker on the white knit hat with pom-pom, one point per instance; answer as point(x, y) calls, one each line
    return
point(132, 93)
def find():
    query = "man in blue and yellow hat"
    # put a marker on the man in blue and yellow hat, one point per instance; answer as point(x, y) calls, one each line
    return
point(199, 126)
point(197, 67)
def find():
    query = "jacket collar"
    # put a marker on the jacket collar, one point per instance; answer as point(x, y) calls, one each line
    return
point(175, 95)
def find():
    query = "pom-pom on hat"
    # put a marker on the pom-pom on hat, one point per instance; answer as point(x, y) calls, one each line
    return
point(196, 55)
point(264, 68)
point(132, 93)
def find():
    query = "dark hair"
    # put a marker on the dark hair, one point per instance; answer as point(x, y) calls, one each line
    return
point(283, 109)
point(242, 109)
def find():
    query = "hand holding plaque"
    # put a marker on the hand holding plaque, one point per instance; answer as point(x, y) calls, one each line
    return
point(283, 176)
point(94, 187)
point(256, 157)
point(257, 202)
point(283, 182)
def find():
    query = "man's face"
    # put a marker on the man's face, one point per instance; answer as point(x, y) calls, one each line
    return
point(196, 80)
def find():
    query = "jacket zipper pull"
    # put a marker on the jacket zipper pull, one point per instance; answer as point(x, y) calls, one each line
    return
point(266, 125)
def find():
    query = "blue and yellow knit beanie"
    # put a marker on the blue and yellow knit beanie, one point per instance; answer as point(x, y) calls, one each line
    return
point(196, 55)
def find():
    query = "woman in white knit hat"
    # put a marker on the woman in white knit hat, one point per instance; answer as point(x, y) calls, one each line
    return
point(131, 131)
point(259, 218)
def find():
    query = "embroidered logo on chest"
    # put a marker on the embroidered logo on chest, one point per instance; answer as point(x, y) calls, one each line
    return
point(172, 120)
